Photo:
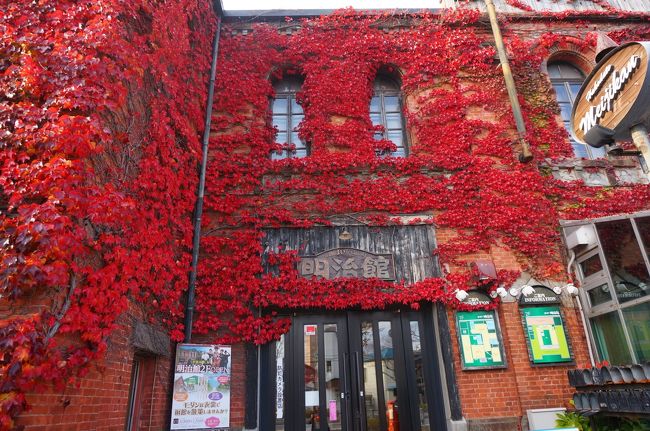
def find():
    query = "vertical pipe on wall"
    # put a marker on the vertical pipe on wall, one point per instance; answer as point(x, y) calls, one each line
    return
point(525, 155)
point(198, 209)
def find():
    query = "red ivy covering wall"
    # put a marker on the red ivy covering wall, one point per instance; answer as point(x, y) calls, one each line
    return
point(100, 113)
point(462, 167)
point(101, 105)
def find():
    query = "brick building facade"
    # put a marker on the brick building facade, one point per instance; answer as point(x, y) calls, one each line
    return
point(367, 366)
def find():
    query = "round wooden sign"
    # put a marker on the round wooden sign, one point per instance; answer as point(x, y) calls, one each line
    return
point(614, 97)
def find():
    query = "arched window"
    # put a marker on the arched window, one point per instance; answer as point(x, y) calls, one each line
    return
point(287, 115)
point(567, 80)
point(386, 111)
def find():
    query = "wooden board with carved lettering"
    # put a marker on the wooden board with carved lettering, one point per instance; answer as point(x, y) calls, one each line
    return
point(391, 253)
point(614, 97)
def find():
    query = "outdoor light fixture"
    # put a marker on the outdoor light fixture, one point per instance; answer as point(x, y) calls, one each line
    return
point(525, 290)
point(345, 235)
point(571, 289)
point(461, 295)
point(557, 290)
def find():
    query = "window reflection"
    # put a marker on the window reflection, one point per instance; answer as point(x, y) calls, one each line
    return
point(332, 377)
point(279, 378)
point(370, 377)
point(423, 407)
point(312, 414)
point(637, 320)
point(610, 339)
point(624, 259)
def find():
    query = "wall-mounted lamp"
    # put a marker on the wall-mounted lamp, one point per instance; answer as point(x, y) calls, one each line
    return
point(571, 289)
point(525, 290)
point(345, 235)
point(461, 295)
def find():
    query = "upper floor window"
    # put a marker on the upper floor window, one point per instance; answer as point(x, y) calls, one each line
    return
point(386, 111)
point(287, 115)
point(567, 80)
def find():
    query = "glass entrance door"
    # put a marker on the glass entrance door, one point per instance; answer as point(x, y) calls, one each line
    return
point(360, 371)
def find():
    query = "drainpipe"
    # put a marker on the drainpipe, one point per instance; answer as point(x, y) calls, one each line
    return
point(198, 208)
point(525, 156)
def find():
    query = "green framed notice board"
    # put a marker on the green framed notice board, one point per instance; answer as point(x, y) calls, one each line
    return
point(479, 338)
point(546, 335)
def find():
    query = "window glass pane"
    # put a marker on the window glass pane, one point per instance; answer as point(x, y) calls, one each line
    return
point(370, 377)
point(610, 339)
point(375, 118)
point(394, 121)
point(332, 377)
point(388, 368)
point(570, 72)
point(553, 70)
point(591, 265)
point(566, 80)
point(637, 320)
point(395, 137)
point(597, 153)
point(281, 138)
point(391, 103)
point(561, 93)
point(574, 90)
point(579, 150)
point(280, 122)
point(599, 294)
point(296, 120)
point(295, 140)
point(565, 113)
point(280, 106)
point(624, 259)
point(278, 155)
point(295, 107)
point(375, 104)
point(279, 379)
point(643, 226)
point(312, 415)
point(419, 375)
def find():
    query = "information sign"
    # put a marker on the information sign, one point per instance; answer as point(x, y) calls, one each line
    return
point(545, 334)
point(201, 397)
point(479, 338)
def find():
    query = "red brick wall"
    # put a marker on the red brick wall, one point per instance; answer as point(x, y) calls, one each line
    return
point(519, 387)
point(99, 400)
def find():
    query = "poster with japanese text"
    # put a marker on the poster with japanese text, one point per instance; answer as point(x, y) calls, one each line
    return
point(201, 397)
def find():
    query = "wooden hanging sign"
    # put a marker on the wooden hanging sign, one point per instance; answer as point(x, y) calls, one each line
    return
point(614, 97)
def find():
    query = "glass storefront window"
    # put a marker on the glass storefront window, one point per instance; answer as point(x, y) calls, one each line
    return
point(279, 376)
point(591, 265)
point(610, 339)
point(332, 377)
point(419, 375)
point(624, 259)
point(637, 320)
point(599, 294)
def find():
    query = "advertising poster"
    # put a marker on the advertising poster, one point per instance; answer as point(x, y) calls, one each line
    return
point(547, 341)
point(479, 340)
point(201, 398)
